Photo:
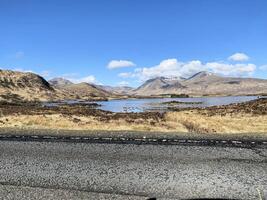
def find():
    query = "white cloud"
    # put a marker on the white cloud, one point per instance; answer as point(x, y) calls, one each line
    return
point(75, 78)
point(169, 67)
point(192, 67)
point(125, 75)
point(239, 57)
point(231, 70)
point(263, 67)
point(86, 79)
point(175, 68)
point(123, 83)
point(19, 54)
point(120, 64)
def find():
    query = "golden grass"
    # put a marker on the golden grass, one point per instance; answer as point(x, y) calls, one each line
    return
point(183, 121)
point(238, 123)
point(57, 121)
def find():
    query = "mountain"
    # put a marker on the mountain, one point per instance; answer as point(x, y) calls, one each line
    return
point(59, 82)
point(206, 83)
point(120, 90)
point(80, 90)
point(85, 91)
point(124, 90)
point(20, 86)
point(159, 85)
point(24, 86)
point(203, 83)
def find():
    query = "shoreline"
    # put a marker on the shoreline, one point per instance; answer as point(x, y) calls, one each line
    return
point(135, 97)
point(168, 97)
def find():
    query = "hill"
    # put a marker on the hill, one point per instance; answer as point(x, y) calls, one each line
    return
point(86, 91)
point(59, 82)
point(21, 86)
point(90, 90)
point(159, 85)
point(119, 90)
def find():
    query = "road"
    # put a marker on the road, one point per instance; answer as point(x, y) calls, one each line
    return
point(73, 170)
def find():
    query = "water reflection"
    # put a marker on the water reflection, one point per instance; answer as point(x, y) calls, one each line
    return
point(142, 105)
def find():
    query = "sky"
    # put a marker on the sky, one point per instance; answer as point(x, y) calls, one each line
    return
point(125, 42)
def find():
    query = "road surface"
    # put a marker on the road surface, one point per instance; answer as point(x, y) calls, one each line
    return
point(74, 170)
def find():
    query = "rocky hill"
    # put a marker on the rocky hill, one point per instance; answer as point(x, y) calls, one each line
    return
point(120, 90)
point(159, 85)
point(86, 91)
point(59, 82)
point(203, 83)
point(80, 90)
point(21, 86)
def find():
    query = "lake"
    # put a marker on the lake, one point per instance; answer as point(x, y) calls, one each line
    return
point(157, 104)
point(142, 105)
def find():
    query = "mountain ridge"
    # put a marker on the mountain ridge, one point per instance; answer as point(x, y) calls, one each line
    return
point(24, 86)
point(203, 83)
point(120, 90)
point(86, 90)
point(27, 86)
point(59, 81)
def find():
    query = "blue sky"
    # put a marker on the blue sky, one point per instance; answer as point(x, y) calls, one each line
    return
point(128, 41)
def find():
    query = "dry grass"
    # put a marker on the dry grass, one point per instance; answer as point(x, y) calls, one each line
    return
point(238, 123)
point(183, 121)
point(56, 121)
point(250, 117)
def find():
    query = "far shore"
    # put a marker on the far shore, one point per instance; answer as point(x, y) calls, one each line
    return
point(122, 97)
point(150, 97)
point(183, 96)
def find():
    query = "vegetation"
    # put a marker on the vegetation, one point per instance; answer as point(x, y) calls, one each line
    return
point(250, 117)
point(181, 102)
point(176, 95)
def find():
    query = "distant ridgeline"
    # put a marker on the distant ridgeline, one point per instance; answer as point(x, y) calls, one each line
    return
point(202, 84)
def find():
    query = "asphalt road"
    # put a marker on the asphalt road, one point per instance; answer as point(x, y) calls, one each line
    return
point(69, 170)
